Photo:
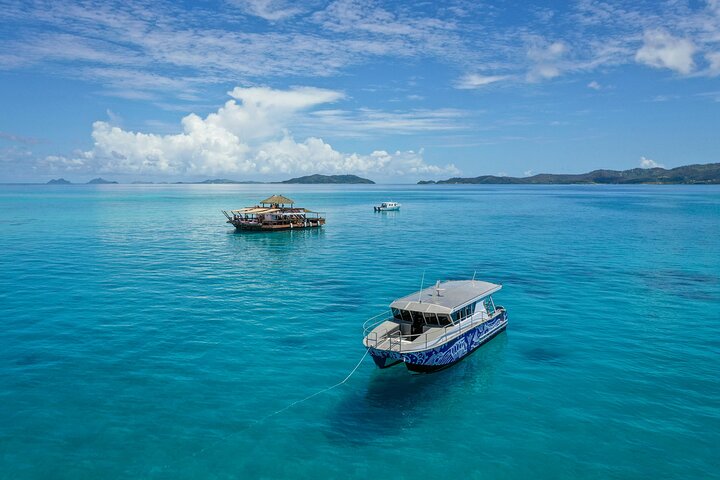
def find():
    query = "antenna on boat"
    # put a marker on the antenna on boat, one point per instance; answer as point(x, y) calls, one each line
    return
point(422, 282)
point(474, 275)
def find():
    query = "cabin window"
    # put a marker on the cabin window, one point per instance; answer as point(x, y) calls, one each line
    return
point(396, 314)
point(431, 319)
point(444, 320)
point(406, 315)
point(489, 306)
point(463, 313)
point(417, 318)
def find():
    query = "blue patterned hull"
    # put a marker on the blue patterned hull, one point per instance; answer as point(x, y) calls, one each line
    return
point(437, 358)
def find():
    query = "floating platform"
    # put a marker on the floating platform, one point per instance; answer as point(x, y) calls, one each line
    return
point(273, 214)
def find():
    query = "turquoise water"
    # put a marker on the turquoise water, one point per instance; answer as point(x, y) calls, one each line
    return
point(142, 338)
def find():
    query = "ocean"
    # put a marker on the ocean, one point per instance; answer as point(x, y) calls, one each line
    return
point(143, 338)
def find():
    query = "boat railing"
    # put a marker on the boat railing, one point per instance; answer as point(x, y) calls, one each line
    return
point(395, 339)
point(373, 322)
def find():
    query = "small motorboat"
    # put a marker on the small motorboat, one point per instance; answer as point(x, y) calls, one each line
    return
point(387, 207)
point(436, 327)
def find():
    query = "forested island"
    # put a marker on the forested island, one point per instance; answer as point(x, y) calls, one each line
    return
point(689, 174)
point(329, 179)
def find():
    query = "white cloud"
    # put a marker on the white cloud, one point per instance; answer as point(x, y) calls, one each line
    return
point(11, 137)
point(365, 121)
point(713, 95)
point(271, 10)
point(546, 60)
point(648, 163)
point(594, 85)
point(134, 48)
point(713, 59)
point(113, 118)
point(246, 135)
point(528, 173)
point(662, 50)
point(152, 51)
point(471, 81)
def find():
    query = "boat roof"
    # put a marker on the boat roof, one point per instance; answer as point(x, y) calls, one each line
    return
point(256, 210)
point(452, 294)
point(279, 199)
point(264, 210)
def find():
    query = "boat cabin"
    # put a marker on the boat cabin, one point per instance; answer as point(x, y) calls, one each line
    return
point(387, 206)
point(443, 305)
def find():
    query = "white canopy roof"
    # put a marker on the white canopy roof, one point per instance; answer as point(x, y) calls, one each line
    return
point(446, 297)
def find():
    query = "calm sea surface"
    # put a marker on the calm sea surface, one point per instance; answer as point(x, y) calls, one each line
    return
point(142, 338)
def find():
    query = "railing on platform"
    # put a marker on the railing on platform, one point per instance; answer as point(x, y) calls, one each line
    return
point(395, 339)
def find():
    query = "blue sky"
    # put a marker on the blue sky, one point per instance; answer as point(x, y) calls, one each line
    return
point(393, 91)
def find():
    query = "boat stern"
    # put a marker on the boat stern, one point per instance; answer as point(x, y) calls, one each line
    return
point(384, 358)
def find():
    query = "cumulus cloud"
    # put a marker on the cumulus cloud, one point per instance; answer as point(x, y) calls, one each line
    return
point(246, 135)
point(662, 50)
point(648, 163)
point(594, 85)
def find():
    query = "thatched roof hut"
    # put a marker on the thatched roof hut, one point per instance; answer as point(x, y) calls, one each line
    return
point(277, 200)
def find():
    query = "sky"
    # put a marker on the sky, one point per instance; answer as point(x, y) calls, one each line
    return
point(395, 91)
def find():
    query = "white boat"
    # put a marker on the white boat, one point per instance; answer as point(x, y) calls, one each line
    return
point(387, 207)
point(436, 327)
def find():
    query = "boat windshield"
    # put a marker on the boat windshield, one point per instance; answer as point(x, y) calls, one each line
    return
point(419, 319)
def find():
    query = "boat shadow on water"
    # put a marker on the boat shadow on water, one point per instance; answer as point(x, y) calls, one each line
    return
point(394, 400)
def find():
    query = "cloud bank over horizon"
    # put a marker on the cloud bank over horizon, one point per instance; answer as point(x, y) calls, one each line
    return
point(393, 89)
point(247, 135)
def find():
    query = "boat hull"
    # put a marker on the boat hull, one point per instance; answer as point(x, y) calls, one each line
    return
point(446, 355)
point(244, 227)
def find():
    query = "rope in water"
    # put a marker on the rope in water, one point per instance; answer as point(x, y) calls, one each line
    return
point(287, 407)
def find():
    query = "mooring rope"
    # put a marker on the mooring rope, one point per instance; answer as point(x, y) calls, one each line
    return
point(314, 394)
point(287, 407)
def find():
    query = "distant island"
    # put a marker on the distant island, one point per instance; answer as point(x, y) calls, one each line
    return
point(58, 181)
point(224, 181)
point(94, 181)
point(690, 174)
point(309, 179)
point(101, 181)
point(214, 181)
point(314, 179)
